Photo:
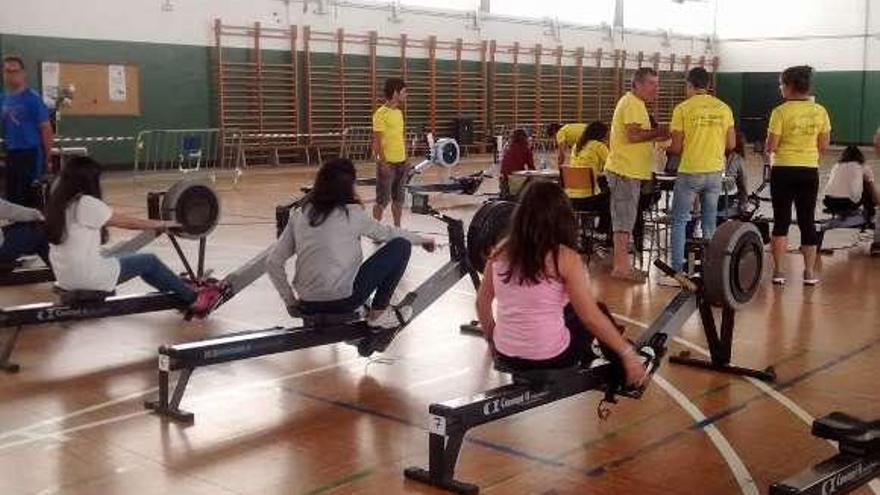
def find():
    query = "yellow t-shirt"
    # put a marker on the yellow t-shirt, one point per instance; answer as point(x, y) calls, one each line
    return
point(389, 122)
point(798, 125)
point(704, 120)
point(633, 160)
point(592, 155)
point(569, 134)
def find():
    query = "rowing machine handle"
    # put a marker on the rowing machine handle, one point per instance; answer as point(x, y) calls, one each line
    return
point(663, 267)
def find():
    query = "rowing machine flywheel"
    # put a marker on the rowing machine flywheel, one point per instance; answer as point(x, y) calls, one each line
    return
point(486, 229)
point(194, 205)
point(732, 264)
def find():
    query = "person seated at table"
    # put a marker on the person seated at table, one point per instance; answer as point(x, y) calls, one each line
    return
point(546, 314)
point(22, 235)
point(590, 151)
point(517, 156)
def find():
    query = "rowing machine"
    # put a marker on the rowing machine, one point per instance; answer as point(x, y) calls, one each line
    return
point(192, 205)
point(449, 421)
point(40, 274)
point(316, 330)
point(857, 463)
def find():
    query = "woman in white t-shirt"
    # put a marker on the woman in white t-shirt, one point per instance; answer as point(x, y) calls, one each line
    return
point(851, 183)
point(76, 225)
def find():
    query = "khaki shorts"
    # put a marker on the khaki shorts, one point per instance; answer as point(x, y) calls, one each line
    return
point(391, 180)
point(625, 194)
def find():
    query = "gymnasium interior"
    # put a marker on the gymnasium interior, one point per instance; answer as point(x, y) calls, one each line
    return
point(212, 118)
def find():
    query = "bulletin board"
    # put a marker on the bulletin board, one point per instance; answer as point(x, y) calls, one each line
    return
point(99, 89)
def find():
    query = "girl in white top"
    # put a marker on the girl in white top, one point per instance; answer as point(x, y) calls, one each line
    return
point(76, 225)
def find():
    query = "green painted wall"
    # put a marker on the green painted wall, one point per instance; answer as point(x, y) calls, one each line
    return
point(851, 97)
point(175, 86)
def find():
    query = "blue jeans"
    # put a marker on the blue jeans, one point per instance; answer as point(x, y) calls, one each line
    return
point(687, 186)
point(20, 239)
point(380, 274)
point(151, 269)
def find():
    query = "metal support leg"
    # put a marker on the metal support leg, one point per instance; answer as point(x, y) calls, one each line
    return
point(720, 347)
point(201, 261)
point(9, 342)
point(183, 259)
point(442, 457)
point(170, 407)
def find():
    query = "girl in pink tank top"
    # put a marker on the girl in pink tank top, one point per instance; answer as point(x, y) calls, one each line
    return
point(545, 304)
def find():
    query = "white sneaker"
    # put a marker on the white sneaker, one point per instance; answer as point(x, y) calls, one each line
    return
point(386, 319)
point(667, 281)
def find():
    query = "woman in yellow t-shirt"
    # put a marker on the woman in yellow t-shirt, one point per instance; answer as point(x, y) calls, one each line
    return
point(590, 151)
point(799, 131)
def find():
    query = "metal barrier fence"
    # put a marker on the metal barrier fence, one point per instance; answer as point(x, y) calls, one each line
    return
point(214, 151)
point(357, 143)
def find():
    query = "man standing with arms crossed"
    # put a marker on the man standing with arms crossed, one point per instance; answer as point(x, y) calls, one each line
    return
point(389, 148)
point(630, 164)
point(27, 134)
point(702, 130)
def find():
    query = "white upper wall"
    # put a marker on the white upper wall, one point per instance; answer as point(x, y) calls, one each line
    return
point(190, 22)
point(769, 35)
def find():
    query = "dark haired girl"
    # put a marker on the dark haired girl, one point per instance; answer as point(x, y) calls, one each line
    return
point(76, 223)
point(799, 131)
point(325, 235)
point(545, 303)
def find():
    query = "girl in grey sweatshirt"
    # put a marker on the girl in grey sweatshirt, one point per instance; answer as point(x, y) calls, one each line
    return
point(325, 235)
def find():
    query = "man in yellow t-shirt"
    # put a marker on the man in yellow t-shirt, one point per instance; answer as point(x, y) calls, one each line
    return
point(629, 164)
point(702, 130)
point(389, 148)
point(566, 137)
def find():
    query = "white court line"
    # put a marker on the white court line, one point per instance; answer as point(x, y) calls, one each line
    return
point(437, 379)
point(740, 472)
point(24, 431)
point(789, 404)
point(32, 438)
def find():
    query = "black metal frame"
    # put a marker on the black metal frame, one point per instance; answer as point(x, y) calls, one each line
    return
point(857, 464)
point(720, 346)
point(450, 421)
point(185, 358)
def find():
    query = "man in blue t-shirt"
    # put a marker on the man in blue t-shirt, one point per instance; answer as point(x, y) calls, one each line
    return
point(27, 134)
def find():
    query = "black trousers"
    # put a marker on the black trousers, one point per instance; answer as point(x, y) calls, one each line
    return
point(20, 165)
point(798, 186)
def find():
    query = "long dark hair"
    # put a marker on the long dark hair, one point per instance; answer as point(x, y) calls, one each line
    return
point(80, 175)
point(519, 137)
point(596, 131)
point(334, 188)
point(852, 154)
point(542, 222)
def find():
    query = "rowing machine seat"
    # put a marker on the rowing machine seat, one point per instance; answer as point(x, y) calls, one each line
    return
point(849, 430)
point(77, 297)
point(538, 376)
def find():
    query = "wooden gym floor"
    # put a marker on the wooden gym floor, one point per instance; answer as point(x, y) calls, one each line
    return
point(326, 421)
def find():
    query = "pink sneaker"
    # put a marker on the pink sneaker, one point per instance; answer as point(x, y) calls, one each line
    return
point(206, 298)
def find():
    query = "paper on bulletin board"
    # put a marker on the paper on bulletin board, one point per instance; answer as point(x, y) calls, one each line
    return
point(116, 73)
point(50, 76)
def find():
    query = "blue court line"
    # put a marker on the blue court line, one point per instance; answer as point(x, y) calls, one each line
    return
point(604, 468)
point(404, 421)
